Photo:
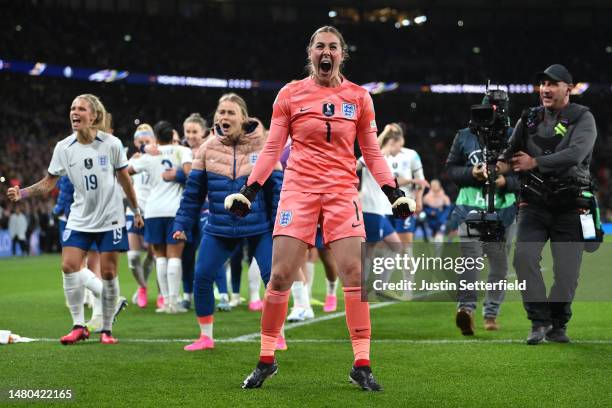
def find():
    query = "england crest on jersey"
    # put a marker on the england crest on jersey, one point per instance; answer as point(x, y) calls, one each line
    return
point(284, 218)
point(253, 158)
point(348, 110)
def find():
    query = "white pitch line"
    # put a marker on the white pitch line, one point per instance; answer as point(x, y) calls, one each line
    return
point(331, 341)
point(290, 326)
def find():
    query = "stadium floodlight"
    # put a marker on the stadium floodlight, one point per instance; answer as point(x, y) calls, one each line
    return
point(398, 25)
point(332, 13)
point(420, 19)
point(460, 23)
point(405, 22)
point(609, 49)
point(127, 38)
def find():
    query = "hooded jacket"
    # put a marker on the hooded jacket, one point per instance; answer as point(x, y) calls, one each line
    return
point(227, 166)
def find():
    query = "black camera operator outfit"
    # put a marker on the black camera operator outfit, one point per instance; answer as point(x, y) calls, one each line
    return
point(553, 195)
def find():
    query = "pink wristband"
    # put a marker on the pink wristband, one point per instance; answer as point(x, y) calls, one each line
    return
point(24, 193)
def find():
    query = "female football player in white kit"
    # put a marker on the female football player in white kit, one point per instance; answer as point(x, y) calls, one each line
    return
point(96, 164)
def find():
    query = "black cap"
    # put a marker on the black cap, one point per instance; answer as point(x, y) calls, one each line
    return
point(556, 72)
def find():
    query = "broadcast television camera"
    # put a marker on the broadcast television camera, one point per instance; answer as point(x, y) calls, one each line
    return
point(489, 122)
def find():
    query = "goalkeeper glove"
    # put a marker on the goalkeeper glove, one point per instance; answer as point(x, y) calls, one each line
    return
point(402, 206)
point(239, 203)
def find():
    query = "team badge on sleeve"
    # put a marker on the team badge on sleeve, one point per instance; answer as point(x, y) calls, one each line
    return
point(328, 109)
point(284, 219)
point(348, 110)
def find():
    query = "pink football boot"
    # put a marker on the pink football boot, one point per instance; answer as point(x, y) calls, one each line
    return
point(106, 338)
point(203, 343)
point(331, 304)
point(142, 297)
point(256, 306)
point(77, 334)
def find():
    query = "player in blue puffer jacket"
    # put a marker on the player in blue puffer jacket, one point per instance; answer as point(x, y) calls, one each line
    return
point(221, 168)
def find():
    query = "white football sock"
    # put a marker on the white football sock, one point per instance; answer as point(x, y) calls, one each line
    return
point(75, 292)
point(206, 329)
point(91, 281)
point(161, 264)
point(305, 296)
point(175, 273)
point(310, 270)
point(110, 292)
point(332, 287)
point(147, 266)
point(135, 264)
point(408, 273)
point(298, 292)
point(254, 281)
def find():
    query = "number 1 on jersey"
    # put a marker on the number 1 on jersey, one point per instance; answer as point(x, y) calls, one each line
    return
point(328, 132)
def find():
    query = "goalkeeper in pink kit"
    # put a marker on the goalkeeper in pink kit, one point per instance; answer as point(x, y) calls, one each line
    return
point(324, 114)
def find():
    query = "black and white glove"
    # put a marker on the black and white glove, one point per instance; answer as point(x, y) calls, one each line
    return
point(402, 206)
point(239, 204)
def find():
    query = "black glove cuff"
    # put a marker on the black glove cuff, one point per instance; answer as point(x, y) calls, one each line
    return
point(250, 191)
point(392, 193)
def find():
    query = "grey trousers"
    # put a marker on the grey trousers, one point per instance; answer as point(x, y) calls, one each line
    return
point(536, 225)
point(497, 255)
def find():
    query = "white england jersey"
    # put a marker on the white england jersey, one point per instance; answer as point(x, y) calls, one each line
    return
point(165, 197)
point(373, 200)
point(98, 203)
point(407, 164)
point(142, 187)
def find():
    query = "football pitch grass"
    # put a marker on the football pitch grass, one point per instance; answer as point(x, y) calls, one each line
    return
point(418, 355)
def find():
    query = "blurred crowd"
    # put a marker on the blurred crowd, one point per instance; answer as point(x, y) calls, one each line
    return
point(34, 110)
point(453, 46)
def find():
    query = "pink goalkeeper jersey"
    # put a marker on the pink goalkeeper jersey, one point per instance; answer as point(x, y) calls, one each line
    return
point(323, 123)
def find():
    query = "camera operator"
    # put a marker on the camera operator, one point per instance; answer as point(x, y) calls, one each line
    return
point(551, 148)
point(466, 166)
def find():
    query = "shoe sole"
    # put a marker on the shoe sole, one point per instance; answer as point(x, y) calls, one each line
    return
point(199, 349)
point(352, 381)
point(122, 305)
point(244, 387)
point(557, 341)
point(67, 343)
point(534, 343)
point(464, 323)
